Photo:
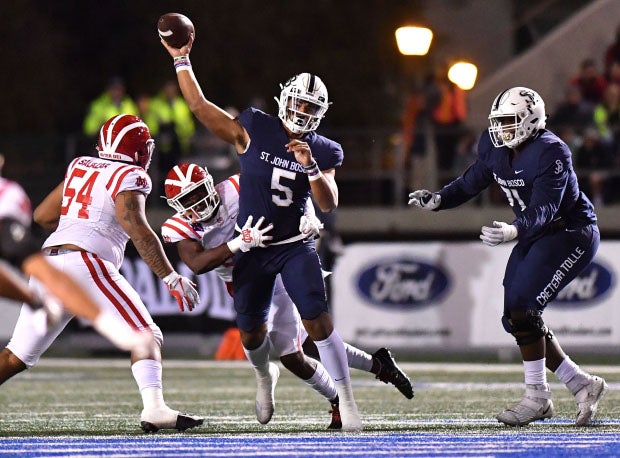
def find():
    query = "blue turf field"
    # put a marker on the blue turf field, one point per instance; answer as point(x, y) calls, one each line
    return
point(510, 443)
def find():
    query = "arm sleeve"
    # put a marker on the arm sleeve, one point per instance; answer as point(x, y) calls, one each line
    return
point(474, 180)
point(17, 241)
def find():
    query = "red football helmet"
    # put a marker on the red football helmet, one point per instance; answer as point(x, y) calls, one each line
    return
point(190, 191)
point(126, 138)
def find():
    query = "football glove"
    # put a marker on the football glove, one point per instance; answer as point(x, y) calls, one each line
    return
point(251, 236)
point(310, 226)
point(183, 290)
point(499, 233)
point(425, 199)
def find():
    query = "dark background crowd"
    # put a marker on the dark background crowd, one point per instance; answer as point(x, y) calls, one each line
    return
point(62, 58)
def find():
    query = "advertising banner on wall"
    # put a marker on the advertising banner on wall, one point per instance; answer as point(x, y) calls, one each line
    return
point(450, 295)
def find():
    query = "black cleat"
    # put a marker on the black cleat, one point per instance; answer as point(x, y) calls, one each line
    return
point(389, 372)
point(335, 411)
point(183, 422)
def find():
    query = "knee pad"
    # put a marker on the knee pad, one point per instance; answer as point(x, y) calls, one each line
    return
point(529, 329)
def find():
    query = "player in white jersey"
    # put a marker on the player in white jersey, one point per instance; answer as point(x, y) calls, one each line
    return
point(203, 231)
point(20, 246)
point(98, 207)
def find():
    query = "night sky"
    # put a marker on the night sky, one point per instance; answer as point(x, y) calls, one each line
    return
point(58, 55)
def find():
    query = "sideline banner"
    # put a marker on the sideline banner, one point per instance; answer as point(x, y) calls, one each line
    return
point(450, 295)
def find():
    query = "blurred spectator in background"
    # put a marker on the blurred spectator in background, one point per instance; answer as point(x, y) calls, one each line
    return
point(607, 116)
point(448, 110)
point(573, 112)
point(172, 125)
point(114, 100)
point(590, 81)
point(612, 53)
point(413, 137)
point(593, 160)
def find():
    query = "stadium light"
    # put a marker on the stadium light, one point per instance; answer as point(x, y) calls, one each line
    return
point(463, 74)
point(413, 41)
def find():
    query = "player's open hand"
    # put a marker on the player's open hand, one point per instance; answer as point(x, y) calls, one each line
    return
point(251, 236)
point(310, 226)
point(183, 51)
point(499, 233)
point(425, 199)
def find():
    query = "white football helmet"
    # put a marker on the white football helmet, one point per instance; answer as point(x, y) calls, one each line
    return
point(302, 103)
point(190, 191)
point(516, 115)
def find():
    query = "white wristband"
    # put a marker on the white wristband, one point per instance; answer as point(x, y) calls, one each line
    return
point(318, 176)
point(234, 245)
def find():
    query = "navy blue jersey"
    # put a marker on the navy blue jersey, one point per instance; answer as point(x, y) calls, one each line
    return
point(272, 183)
point(539, 183)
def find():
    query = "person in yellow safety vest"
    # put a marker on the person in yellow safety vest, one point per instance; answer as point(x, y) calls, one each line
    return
point(168, 109)
point(112, 102)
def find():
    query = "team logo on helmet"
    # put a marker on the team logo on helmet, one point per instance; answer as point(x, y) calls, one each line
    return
point(126, 138)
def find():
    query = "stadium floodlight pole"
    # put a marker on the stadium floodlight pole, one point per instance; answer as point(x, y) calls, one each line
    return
point(413, 40)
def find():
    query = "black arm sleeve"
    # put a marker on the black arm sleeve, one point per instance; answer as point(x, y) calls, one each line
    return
point(18, 242)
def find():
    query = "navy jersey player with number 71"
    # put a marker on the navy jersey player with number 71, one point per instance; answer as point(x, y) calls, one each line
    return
point(557, 236)
point(283, 162)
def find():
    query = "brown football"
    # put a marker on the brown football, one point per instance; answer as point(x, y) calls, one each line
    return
point(175, 28)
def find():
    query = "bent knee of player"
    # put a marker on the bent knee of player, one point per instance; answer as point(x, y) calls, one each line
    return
point(319, 327)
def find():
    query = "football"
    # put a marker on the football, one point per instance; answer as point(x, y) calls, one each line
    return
point(175, 28)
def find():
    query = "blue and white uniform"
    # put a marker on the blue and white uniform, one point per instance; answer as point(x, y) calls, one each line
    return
point(557, 227)
point(274, 185)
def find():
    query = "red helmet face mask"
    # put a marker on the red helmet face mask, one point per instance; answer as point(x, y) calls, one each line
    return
point(126, 138)
point(190, 191)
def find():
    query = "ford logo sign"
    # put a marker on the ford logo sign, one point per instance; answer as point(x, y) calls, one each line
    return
point(590, 286)
point(403, 283)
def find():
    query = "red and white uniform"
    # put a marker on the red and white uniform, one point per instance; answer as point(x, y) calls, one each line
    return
point(14, 202)
point(88, 220)
point(284, 323)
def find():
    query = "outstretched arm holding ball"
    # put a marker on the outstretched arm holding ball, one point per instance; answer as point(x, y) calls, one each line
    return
point(213, 117)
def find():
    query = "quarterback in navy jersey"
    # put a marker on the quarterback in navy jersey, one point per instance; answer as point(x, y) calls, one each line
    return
point(557, 237)
point(283, 162)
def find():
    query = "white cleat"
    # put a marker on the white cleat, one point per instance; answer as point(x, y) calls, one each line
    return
point(588, 398)
point(152, 421)
point(351, 421)
point(535, 405)
point(265, 402)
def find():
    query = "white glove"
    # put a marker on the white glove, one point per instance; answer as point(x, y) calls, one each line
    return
point(251, 236)
point(183, 290)
point(310, 226)
point(425, 199)
point(499, 233)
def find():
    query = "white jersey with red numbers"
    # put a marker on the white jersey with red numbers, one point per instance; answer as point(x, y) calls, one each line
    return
point(14, 202)
point(284, 323)
point(88, 214)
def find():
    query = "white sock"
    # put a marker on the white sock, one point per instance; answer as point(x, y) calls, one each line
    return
point(358, 359)
point(535, 372)
point(571, 375)
point(259, 358)
point(148, 375)
point(322, 383)
point(334, 358)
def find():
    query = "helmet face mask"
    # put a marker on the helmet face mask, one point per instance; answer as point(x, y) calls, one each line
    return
point(126, 138)
point(517, 114)
point(303, 102)
point(191, 193)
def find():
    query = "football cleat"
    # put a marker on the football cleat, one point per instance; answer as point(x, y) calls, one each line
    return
point(265, 402)
point(335, 411)
point(535, 405)
point(588, 398)
point(389, 372)
point(153, 421)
